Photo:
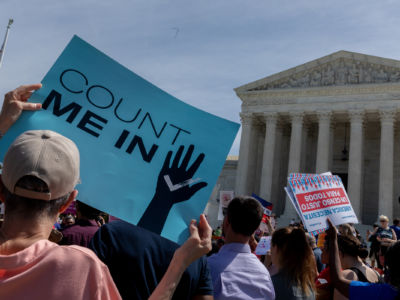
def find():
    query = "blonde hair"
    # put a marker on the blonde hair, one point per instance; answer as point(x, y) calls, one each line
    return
point(383, 217)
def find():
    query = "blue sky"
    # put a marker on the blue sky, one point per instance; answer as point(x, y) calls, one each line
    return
point(218, 45)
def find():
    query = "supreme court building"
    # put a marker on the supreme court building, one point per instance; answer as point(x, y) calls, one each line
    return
point(338, 113)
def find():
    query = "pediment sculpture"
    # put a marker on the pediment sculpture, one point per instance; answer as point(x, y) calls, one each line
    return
point(342, 71)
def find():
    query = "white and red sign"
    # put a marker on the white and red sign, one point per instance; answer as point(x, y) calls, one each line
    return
point(318, 197)
point(264, 245)
point(225, 198)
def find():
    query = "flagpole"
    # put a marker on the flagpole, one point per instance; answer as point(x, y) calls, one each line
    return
point(3, 47)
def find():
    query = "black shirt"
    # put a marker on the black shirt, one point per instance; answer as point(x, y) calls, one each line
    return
point(137, 260)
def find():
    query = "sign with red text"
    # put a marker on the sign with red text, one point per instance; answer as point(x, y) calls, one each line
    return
point(318, 197)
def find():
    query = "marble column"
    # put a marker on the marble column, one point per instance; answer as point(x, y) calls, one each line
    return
point(355, 172)
point(246, 154)
point(324, 141)
point(295, 147)
point(386, 163)
point(268, 156)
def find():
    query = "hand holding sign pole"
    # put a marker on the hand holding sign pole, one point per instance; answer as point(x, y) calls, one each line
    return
point(173, 186)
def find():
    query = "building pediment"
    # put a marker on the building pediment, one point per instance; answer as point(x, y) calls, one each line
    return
point(337, 69)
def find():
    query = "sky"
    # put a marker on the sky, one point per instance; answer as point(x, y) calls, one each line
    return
point(198, 51)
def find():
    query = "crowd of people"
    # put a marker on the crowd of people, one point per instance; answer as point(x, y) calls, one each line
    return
point(46, 254)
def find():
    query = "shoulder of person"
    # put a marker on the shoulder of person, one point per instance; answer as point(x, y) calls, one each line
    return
point(349, 274)
point(79, 256)
point(80, 251)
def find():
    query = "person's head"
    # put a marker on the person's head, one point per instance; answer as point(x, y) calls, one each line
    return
point(292, 254)
point(392, 262)
point(311, 241)
point(68, 220)
point(86, 211)
point(396, 222)
point(243, 216)
point(383, 221)
point(40, 171)
point(347, 229)
point(350, 246)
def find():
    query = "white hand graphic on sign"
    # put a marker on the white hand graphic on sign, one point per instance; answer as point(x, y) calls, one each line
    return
point(173, 187)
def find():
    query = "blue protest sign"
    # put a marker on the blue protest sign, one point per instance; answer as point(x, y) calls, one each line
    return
point(146, 157)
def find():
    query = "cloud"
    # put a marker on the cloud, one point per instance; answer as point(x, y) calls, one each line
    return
point(220, 44)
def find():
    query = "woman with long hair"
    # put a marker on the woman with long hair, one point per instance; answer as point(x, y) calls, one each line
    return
point(294, 259)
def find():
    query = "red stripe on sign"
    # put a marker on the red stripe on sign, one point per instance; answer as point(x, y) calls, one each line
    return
point(321, 199)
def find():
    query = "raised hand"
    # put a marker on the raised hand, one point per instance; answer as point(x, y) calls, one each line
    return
point(175, 184)
point(175, 180)
point(14, 103)
point(198, 243)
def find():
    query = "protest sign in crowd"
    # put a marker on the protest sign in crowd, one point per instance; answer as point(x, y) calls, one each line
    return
point(143, 172)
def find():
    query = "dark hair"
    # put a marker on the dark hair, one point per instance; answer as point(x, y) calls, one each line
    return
point(69, 217)
point(28, 207)
point(296, 257)
point(396, 222)
point(350, 245)
point(220, 242)
point(244, 215)
point(87, 211)
point(392, 263)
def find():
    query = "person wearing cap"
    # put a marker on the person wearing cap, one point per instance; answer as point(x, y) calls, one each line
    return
point(40, 171)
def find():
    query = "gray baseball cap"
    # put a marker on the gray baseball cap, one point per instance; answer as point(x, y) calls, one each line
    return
point(46, 155)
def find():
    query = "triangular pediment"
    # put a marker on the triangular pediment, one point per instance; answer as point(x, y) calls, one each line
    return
point(337, 69)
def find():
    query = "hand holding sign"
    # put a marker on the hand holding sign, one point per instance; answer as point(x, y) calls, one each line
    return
point(126, 126)
point(14, 103)
point(198, 244)
point(173, 186)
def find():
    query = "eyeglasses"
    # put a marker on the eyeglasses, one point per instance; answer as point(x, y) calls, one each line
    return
point(382, 221)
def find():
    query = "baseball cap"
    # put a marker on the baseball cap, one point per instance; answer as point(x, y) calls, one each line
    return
point(46, 155)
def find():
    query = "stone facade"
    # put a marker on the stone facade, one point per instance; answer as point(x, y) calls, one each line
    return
point(337, 113)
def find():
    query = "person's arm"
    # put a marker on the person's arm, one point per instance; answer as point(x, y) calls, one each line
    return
point(269, 226)
point(349, 275)
point(387, 241)
point(253, 243)
point(14, 103)
point(338, 281)
point(372, 234)
point(197, 245)
point(394, 237)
